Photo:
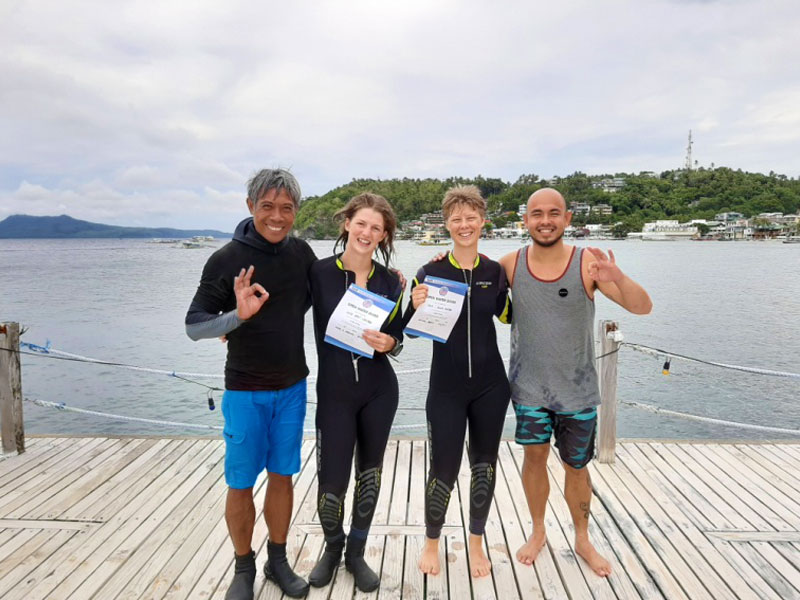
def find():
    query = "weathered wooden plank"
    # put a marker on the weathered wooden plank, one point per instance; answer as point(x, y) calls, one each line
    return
point(151, 569)
point(783, 506)
point(678, 532)
point(392, 568)
point(11, 419)
point(524, 575)
point(29, 556)
point(633, 461)
point(733, 494)
point(14, 466)
point(132, 549)
point(28, 496)
point(399, 502)
point(702, 503)
point(738, 562)
point(18, 471)
point(93, 477)
point(92, 505)
point(79, 560)
point(550, 581)
point(45, 524)
point(761, 462)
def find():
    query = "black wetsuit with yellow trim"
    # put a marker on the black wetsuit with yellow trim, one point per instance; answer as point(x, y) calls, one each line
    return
point(468, 386)
point(356, 400)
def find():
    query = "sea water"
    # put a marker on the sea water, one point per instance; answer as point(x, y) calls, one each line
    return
point(125, 301)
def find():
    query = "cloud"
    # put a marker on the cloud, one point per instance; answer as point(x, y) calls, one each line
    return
point(136, 112)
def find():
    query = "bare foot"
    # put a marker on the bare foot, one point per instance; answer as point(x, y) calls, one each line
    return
point(586, 551)
point(479, 564)
point(429, 559)
point(530, 549)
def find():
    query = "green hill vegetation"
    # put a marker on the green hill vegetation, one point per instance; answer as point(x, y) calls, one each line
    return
point(681, 195)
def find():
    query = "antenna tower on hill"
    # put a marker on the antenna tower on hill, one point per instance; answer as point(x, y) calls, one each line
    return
point(689, 152)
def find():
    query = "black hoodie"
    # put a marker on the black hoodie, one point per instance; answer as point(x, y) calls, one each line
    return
point(266, 351)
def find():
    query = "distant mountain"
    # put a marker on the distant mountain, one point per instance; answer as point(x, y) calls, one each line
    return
point(25, 226)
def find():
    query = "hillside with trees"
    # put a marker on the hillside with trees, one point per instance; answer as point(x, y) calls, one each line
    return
point(681, 195)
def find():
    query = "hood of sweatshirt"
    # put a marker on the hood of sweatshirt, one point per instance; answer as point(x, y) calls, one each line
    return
point(246, 234)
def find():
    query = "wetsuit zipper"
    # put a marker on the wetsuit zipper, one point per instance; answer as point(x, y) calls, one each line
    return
point(353, 357)
point(469, 318)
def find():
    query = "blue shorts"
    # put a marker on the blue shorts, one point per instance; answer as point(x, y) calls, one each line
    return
point(574, 431)
point(263, 430)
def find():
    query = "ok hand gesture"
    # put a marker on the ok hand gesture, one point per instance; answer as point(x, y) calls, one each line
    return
point(604, 268)
point(249, 297)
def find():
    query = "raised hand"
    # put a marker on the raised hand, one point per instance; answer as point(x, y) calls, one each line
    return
point(382, 342)
point(418, 295)
point(603, 268)
point(249, 297)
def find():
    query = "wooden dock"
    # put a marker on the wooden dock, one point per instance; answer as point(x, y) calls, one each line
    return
point(108, 518)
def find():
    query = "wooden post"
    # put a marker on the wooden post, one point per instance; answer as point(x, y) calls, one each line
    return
point(610, 339)
point(13, 431)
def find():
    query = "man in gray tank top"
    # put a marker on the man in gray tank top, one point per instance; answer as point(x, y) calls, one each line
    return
point(552, 373)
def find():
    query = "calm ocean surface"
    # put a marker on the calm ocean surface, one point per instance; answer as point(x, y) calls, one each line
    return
point(125, 301)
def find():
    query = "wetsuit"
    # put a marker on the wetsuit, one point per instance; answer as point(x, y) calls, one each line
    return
point(356, 401)
point(468, 386)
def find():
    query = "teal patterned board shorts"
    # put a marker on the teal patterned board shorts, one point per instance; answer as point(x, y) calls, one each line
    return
point(574, 431)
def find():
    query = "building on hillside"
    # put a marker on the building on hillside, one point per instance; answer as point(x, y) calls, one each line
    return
point(579, 208)
point(602, 209)
point(609, 185)
point(728, 217)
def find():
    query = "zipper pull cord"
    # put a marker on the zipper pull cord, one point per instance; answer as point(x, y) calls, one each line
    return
point(469, 318)
point(353, 357)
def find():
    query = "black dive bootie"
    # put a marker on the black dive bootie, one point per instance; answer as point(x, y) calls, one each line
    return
point(278, 570)
point(323, 571)
point(244, 576)
point(366, 579)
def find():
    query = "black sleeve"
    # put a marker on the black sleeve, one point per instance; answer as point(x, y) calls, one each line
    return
point(209, 313)
point(410, 310)
point(503, 309)
point(311, 258)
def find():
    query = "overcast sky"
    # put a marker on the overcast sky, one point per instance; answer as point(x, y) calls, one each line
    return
point(156, 113)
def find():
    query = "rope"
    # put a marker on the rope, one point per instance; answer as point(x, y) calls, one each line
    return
point(96, 413)
point(116, 417)
point(48, 352)
point(672, 413)
point(658, 352)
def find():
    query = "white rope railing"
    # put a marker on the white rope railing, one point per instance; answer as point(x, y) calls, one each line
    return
point(181, 374)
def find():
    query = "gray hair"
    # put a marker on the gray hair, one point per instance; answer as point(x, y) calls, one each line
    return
point(273, 179)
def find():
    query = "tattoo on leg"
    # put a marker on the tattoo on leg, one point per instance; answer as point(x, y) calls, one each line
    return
point(585, 509)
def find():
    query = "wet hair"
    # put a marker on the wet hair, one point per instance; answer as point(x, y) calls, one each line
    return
point(273, 179)
point(467, 195)
point(378, 204)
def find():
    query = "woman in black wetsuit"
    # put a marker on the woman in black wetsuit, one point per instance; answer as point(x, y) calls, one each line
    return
point(356, 396)
point(468, 383)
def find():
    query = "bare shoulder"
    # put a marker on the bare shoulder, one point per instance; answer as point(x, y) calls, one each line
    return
point(508, 262)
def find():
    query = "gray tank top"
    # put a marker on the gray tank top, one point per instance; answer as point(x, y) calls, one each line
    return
point(552, 339)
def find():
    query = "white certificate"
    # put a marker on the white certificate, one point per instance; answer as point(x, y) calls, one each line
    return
point(436, 318)
point(359, 309)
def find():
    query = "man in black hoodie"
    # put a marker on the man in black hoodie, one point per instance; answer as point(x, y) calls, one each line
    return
point(254, 290)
